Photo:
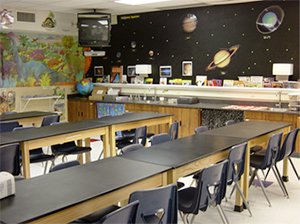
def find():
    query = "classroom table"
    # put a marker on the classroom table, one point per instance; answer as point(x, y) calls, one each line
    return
point(27, 118)
point(51, 135)
point(66, 195)
point(129, 121)
point(256, 133)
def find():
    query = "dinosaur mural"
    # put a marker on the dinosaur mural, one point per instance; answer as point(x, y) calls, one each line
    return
point(39, 60)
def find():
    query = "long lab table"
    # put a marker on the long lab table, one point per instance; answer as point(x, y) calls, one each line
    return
point(130, 121)
point(256, 133)
point(51, 135)
point(66, 195)
point(27, 118)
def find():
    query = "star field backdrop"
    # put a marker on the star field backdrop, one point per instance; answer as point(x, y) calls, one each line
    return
point(218, 27)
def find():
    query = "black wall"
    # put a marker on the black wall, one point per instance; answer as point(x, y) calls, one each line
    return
point(218, 27)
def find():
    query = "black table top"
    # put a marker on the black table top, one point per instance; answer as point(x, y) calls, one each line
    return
point(47, 131)
point(130, 117)
point(26, 114)
point(248, 129)
point(49, 193)
point(183, 151)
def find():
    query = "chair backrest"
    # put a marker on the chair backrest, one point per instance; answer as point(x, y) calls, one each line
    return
point(289, 144)
point(9, 112)
point(140, 133)
point(124, 215)
point(48, 120)
point(236, 162)
point(160, 138)
point(10, 158)
point(64, 166)
point(173, 132)
point(272, 150)
point(229, 122)
point(131, 147)
point(200, 129)
point(157, 205)
point(211, 186)
point(7, 126)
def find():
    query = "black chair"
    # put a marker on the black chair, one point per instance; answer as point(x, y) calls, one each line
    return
point(140, 135)
point(209, 191)
point(173, 131)
point(64, 166)
point(48, 120)
point(7, 126)
point(10, 159)
point(259, 162)
point(68, 148)
point(124, 215)
point(229, 122)
point(201, 129)
point(236, 165)
point(131, 147)
point(37, 155)
point(160, 138)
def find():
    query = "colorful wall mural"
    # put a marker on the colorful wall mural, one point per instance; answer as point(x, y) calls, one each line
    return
point(29, 59)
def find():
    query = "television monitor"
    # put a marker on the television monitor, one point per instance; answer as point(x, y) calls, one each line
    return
point(94, 29)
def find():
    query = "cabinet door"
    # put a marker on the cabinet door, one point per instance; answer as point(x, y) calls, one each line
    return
point(73, 110)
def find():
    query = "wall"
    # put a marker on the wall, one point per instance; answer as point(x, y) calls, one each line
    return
point(218, 27)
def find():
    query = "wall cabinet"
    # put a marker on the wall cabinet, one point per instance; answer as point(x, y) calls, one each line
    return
point(81, 109)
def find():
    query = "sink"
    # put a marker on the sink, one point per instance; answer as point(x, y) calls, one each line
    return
point(276, 109)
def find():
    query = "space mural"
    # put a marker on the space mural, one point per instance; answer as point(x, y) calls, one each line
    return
point(222, 42)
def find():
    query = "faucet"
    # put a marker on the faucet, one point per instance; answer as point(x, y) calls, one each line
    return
point(155, 93)
point(279, 104)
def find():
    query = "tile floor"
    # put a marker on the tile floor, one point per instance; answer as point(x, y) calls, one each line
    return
point(283, 210)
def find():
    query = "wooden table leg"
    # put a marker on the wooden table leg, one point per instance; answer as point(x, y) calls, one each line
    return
point(112, 140)
point(285, 175)
point(25, 159)
point(106, 144)
point(80, 157)
point(87, 143)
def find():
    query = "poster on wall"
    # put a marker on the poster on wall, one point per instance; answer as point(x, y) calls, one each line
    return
point(7, 101)
point(98, 71)
point(187, 68)
point(131, 71)
point(165, 71)
point(30, 59)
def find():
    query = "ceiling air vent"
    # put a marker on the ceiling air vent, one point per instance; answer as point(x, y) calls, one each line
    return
point(26, 17)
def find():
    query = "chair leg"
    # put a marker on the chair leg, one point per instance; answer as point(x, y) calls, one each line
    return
point(282, 183)
point(294, 168)
point(263, 189)
point(100, 155)
point(233, 188)
point(192, 219)
point(252, 177)
point(222, 214)
point(243, 197)
point(266, 175)
point(46, 165)
point(279, 181)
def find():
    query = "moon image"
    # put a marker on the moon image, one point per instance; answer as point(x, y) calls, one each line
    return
point(222, 58)
point(269, 19)
point(151, 53)
point(189, 23)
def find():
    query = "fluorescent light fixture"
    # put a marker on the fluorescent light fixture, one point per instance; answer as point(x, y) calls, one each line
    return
point(139, 2)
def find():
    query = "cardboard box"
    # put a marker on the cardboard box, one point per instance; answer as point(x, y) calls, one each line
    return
point(98, 93)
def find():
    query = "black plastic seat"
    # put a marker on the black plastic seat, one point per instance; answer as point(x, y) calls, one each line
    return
point(236, 166)
point(64, 166)
point(140, 137)
point(209, 191)
point(124, 215)
point(201, 129)
point(7, 126)
point(160, 138)
point(131, 147)
point(173, 131)
point(48, 120)
point(266, 161)
point(10, 159)
point(37, 155)
point(229, 122)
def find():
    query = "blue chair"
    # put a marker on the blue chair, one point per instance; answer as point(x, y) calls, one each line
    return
point(124, 215)
point(236, 165)
point(64, 166)
point(37, 155)
point(229, 122)
point(173, 131)
point(201, 129)
point(211, 185)
point(158, 205)
point(258, 162)
point(160, 138)
point(7, 126)
point(9, 159)
point(68, 148)
point(48, 120)
point(131, 147)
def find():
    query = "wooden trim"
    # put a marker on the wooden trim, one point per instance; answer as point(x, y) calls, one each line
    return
point(87, 207)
